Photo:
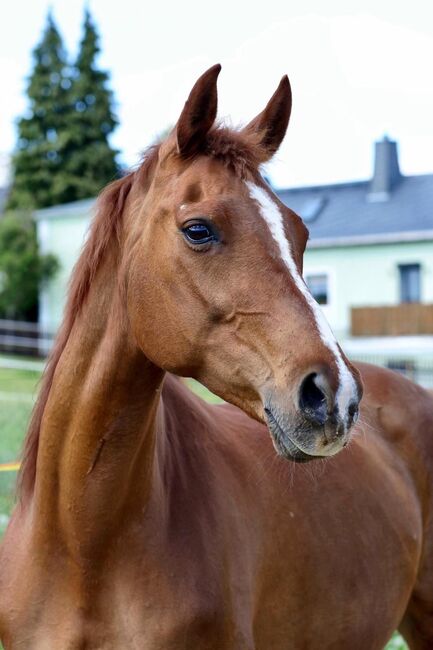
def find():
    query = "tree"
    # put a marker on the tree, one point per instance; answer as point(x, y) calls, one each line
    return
point(22, 268)
point(90, 161)
point(39, 155)
point(63, 153)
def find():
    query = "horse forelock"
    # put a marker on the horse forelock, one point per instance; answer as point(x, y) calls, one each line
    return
point(235, 149)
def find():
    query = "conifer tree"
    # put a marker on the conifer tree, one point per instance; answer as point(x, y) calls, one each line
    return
point(90, 162)
point(38, 158)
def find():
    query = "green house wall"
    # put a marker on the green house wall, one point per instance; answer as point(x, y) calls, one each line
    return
point(367, 276)
point(63, 236)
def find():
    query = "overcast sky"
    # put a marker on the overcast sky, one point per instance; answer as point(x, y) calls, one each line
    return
point(358, 70)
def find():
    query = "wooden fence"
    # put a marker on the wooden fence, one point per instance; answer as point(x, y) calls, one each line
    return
point(18, 337)
point(397, 320)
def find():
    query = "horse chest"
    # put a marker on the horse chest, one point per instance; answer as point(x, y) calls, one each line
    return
point(154, 599)
point(142, 602)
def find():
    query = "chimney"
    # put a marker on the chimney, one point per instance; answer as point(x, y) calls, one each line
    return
point(386, 170)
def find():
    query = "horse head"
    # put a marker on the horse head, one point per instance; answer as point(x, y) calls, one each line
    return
point(214, 285)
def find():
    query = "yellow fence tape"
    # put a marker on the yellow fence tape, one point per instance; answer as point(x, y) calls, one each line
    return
point(9, 467)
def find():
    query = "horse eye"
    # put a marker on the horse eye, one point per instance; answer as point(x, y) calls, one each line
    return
point(198, 233)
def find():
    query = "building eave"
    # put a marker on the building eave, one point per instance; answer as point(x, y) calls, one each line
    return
point(369, 240)
point(388, 346)
point(72, 210)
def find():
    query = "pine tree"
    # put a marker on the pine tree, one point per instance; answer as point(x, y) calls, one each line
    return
point(90, 161)
point(38, 158)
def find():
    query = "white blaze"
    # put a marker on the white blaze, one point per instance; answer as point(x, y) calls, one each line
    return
point(271, 213)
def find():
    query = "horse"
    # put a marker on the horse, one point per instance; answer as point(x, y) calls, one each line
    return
point(148, 519)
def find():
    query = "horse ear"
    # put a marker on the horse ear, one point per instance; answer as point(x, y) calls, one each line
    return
point(198, 114)
point(271, 124)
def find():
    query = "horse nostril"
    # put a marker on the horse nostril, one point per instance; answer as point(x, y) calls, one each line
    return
point(312, 399)
point(353, 411)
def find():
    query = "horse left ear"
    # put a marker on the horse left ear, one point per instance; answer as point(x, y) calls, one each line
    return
point(271, 124)
point(198, 114)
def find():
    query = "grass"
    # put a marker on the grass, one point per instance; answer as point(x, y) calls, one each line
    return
point(203, 392)
point(14, 413)
point(396, 643)
point(17, 391)
point(18, 381)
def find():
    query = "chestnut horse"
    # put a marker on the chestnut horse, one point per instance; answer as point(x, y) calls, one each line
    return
point(150, 520)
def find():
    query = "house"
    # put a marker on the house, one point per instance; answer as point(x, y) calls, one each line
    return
point(61, 230)
point(369, 261)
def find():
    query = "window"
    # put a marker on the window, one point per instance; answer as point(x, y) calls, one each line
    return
point(312, 208)
point(318, 286)
point(410, 282)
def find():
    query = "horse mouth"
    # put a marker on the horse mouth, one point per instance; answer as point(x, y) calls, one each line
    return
point(284, 443)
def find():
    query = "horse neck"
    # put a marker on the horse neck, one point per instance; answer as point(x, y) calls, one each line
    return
point(98, 431)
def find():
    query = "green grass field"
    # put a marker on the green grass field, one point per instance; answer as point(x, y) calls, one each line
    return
point(17, 393)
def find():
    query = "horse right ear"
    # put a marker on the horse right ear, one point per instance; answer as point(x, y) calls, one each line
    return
point(270, 125)
point(198, 114)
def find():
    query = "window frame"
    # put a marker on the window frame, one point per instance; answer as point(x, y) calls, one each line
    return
point(405, 266)
point(309, 276)
point(330, 308)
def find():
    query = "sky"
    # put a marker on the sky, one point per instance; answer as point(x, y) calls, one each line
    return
point(359, 70)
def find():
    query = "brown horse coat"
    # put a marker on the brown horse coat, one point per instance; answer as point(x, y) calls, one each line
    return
point(148, 519)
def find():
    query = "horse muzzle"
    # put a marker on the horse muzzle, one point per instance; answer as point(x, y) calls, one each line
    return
point(315, 428)
point(300, 440)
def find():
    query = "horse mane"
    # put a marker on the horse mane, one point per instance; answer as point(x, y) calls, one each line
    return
point(234, 149)
point(106, 226)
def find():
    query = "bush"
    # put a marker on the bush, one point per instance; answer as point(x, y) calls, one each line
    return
point(22, 268)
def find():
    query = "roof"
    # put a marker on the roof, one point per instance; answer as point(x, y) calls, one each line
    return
point(338, 215)
point(347, 213)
